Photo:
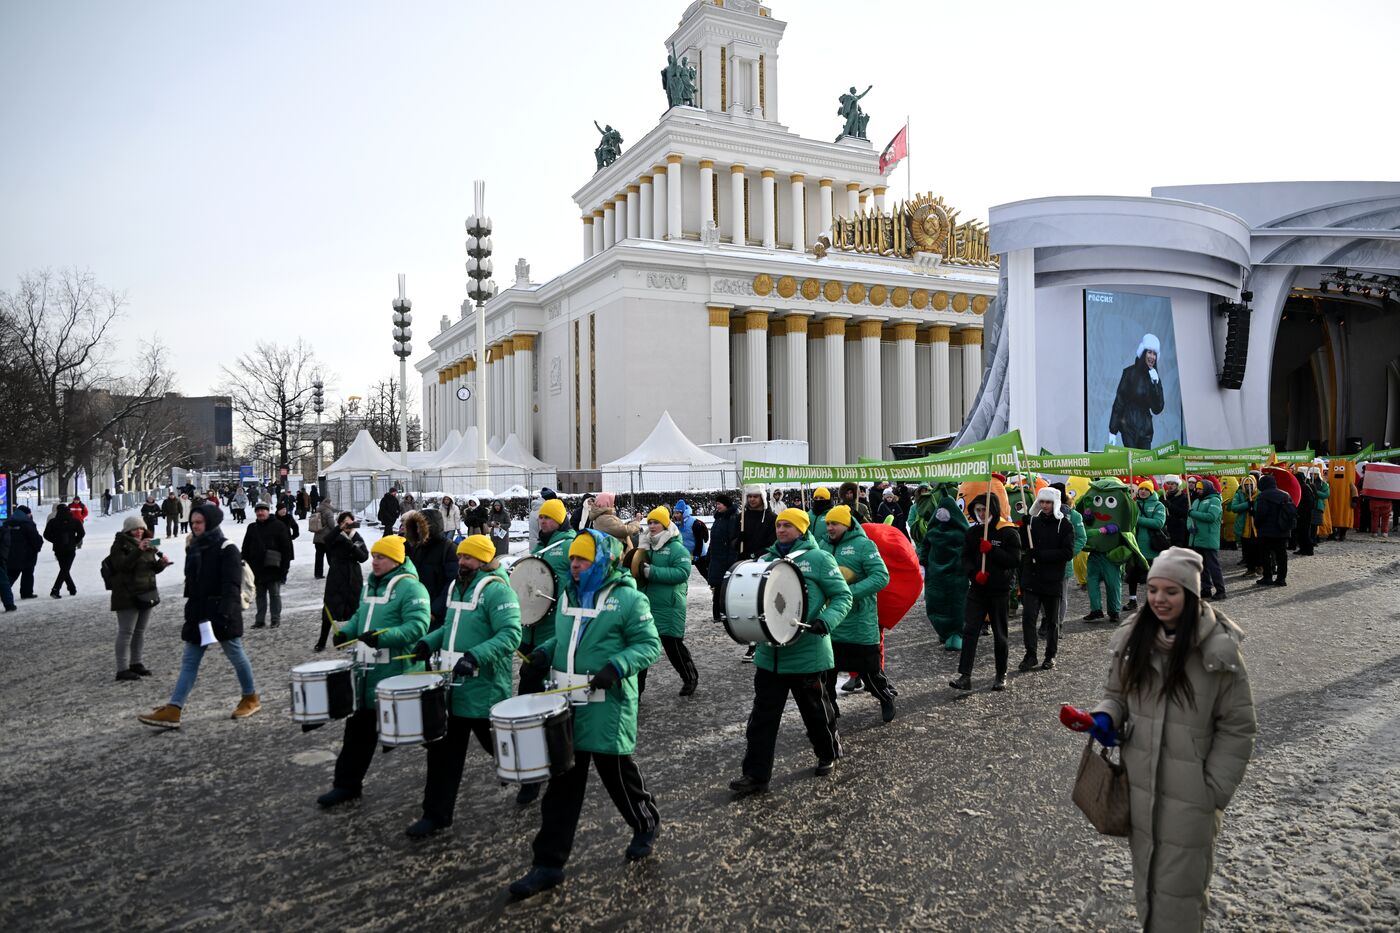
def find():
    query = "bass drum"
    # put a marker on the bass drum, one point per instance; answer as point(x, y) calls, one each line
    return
point(532, 579)
point(763, 602)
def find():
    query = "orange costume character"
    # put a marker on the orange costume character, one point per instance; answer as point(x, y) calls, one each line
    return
point(1341, 479)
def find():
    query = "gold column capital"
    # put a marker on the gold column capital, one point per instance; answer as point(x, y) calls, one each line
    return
point(644, 180)
point(659, 169)
point(871, 329)
point(852, 186)
point(737, 325)
point(508, 347)
point(707, 163)
point(798, 178)
point(833, 326)
point(608, 205)
point(719, 315)
point(736, 169)
point(620, 197)
point(906, 331)
point(469, 366)
point(879, 190)
point(796, 323)
point(939, 333)
point(971, 337)
point(588, 219)
point(674, 158)
point(755, 320)
point(826, 182)
point(852, 332)
point(768, 173)
point(777, 327)
point(634, 189)
point(598, 213)
point(524, 343)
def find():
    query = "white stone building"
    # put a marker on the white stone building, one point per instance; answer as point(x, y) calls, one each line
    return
point(706, 288)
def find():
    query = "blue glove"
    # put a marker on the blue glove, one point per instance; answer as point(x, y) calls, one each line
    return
point(1103, 730)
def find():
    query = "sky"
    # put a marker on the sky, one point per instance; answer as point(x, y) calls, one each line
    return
point(264, 169)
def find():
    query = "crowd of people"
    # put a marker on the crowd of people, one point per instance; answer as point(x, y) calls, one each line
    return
point(987, 549)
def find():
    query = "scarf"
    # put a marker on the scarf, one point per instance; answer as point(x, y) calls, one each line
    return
point(1164, 643)
point(783, 548)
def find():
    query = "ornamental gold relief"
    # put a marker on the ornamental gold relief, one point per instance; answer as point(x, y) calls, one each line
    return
point(855, 293)
point(762, 284)
point(832, 291)
point(900, 297)
point(811, 288)
point(787, 286)
point(878, 294)
point(940, 301)
point(920, 300)
point(960, 302)
point(979, 304)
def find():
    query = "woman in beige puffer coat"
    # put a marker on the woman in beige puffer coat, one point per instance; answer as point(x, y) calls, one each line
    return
point(1179, 699)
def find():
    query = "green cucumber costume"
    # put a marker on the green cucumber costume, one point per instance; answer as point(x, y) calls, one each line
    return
point(483, 617)
point(828, 599)
point(940, 553)
point(1110, 518)
point(397, 604)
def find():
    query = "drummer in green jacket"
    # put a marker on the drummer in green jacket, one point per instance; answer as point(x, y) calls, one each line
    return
point(856, 646)
point(553, 548)
point(608, 623)
point(666, 581)
point(800, 668)
point(393, 615)
point(483, 623)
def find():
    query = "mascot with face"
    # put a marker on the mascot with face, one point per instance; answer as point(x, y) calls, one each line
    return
point(1110, 519)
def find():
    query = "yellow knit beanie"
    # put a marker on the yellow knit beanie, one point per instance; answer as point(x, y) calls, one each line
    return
point(554, 509)
point(840, 515)
point(584, 547)
point(796, 518)
point(479, 546)
point(391, 547)
point(660, 514)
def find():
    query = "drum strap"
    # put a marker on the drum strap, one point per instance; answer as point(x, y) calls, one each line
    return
point(581, 619)
point(370, 656)
point(459, 607)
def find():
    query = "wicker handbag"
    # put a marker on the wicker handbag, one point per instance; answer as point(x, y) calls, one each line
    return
point(1101, 791)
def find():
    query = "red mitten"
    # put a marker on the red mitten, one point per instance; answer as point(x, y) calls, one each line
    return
point(1076, 719)
point(984, 546)
point(981, 578)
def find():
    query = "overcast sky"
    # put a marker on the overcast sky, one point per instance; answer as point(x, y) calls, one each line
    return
point(266, 168)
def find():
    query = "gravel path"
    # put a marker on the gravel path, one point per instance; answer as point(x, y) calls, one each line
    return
point(956, 816)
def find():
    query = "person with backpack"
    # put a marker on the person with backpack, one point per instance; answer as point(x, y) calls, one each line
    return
point(213, 597)
point(129, 571)
point(322, 525)
point(25, 545)
point(65, 532)
point(267, 548)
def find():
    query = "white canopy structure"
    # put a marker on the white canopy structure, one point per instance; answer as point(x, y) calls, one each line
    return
point(667, 460)
point(541, 473)
point(364, 456)
point(448, 445)
point(362, 474)
point(455, 472)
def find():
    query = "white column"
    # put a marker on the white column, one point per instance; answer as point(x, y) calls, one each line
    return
point(972, 368)
point(659, 199)
point(624, 217)
point(599, 243)
point(889, 388)
point(880, 198)
point(646, 209)
point(871, 404)
point(852, 199)
point(1023, 399)
point(707, 192)
point(738, 234)
point(719, 374)
point(834, 377)
point(769, 215)
point(855, 393)
point(674, 204)
point(955, 381)
point(799, 213)
point(939, 380)
point(777, 379)
point(816, 396)
point(739, 383)
point(587, 235)
point(453, 381)
point(824, 206)
point(907, 394)
point(609, 225)
point(508, 406)
point(498, 394)
point(796, 341)
point(474, 379)
point(756, 325)
point(634, 211)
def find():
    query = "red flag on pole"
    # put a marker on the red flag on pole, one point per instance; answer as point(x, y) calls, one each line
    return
point(897, 150)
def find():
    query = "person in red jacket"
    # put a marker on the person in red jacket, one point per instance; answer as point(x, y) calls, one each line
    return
point(80, 511)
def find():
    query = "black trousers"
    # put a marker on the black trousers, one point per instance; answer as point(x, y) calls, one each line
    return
point(65, 559)
point(356, 752)
point(320, 561)
point(1275, 554)
point(1033, 604)
point(679, 656)
point(563, 802)
point(981, 606)
point(864, 662)
point(26, 582)
point(770, 693)
point(446, 758)
point(1212, 580)
point(1249, 547)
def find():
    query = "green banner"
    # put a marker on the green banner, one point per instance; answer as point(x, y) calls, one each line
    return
point(1169, 449)
point(1368, 451)
point(1295, 456)
point(1002, 443)
point(1218, 469)
point(1261, 454)
point(961, 469)
point(1388, 454)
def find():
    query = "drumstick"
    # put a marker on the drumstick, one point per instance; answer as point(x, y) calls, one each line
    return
point(355, 641)
point(545, 693)
point(411, 673)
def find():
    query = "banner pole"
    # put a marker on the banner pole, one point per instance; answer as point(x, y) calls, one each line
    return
point(1016, 453)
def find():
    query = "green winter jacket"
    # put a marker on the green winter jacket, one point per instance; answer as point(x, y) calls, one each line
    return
point(484, 616)
point(667, 583)
point(1321, 492)
point(623, 635)
point(1152, 514)
point(828, 599)
point(1081, 538)
point(554, 552)
point(404, 619)
point(857, 552)
point(817, 525)
point(1205, 516)
point(1243, 507)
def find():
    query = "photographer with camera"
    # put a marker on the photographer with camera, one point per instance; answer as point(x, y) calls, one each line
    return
point(345, 552)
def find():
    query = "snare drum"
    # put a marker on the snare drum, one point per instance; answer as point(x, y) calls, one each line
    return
point(412, 709)
point(532, 579)
point(324, 690)
point(763, 602)
point(534, 738)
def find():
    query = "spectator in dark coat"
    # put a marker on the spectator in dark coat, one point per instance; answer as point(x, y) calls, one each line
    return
point(580, 510)
point(7, 593)
point(473, 516)
point(756, 532)
point(25, 545)
point(432, 553)
point(389, 511)
point(267, 549)
point(65, 533)
point(1047, 545)
point(724, 551)
point(1302, 528)
point(284, 515)
point(345, 552)
point(1178, 505)
point(850, 497)
point(889, 509)
point(150, 514)
point(1275, 516)
point(133, 567)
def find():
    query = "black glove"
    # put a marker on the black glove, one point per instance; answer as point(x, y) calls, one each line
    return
point(817, 627)
point(466, 666)
point(421, 651)
point(370, 639)
point(339, 638)
point(538, 658)
point(605, 678)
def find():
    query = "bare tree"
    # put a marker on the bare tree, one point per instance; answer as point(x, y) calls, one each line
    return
point(271, 391)
point(58, 356)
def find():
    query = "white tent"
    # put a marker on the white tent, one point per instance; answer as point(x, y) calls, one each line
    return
point(364, 456)
point(464, 455)
point(449, 444)
point(541, 473)
point(362, 474)
point(667, 460)
point(455, 472)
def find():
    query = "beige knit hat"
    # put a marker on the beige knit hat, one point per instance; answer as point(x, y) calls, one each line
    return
point(1181, 566)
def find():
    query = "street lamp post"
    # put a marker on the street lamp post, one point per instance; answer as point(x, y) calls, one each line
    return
point(318, 402)
point(403, 349)
point(481, 290)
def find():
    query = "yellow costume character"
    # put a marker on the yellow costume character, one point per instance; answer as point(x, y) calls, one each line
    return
point(1341, 480)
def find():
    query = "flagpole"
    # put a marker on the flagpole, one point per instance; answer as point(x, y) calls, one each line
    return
point(908, 166)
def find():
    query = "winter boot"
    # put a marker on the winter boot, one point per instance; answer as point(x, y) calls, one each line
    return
point(746, 785)
point(1094, 615)
point(422, 828)
point(539, 879)
point(140, 670)
point(163, 717)
point(964, 682)
point(954, 643)
point(247, 706)
point(128, 675)
point(1000, 683)
point(642, 844)
point(528, 794)
point(851, 685)
point(336, 796)
point(1028, 663)
point(824, 767)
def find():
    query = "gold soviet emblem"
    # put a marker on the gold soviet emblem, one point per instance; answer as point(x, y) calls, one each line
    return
point(811, 289)
point(762, 284)
point(787, 286)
